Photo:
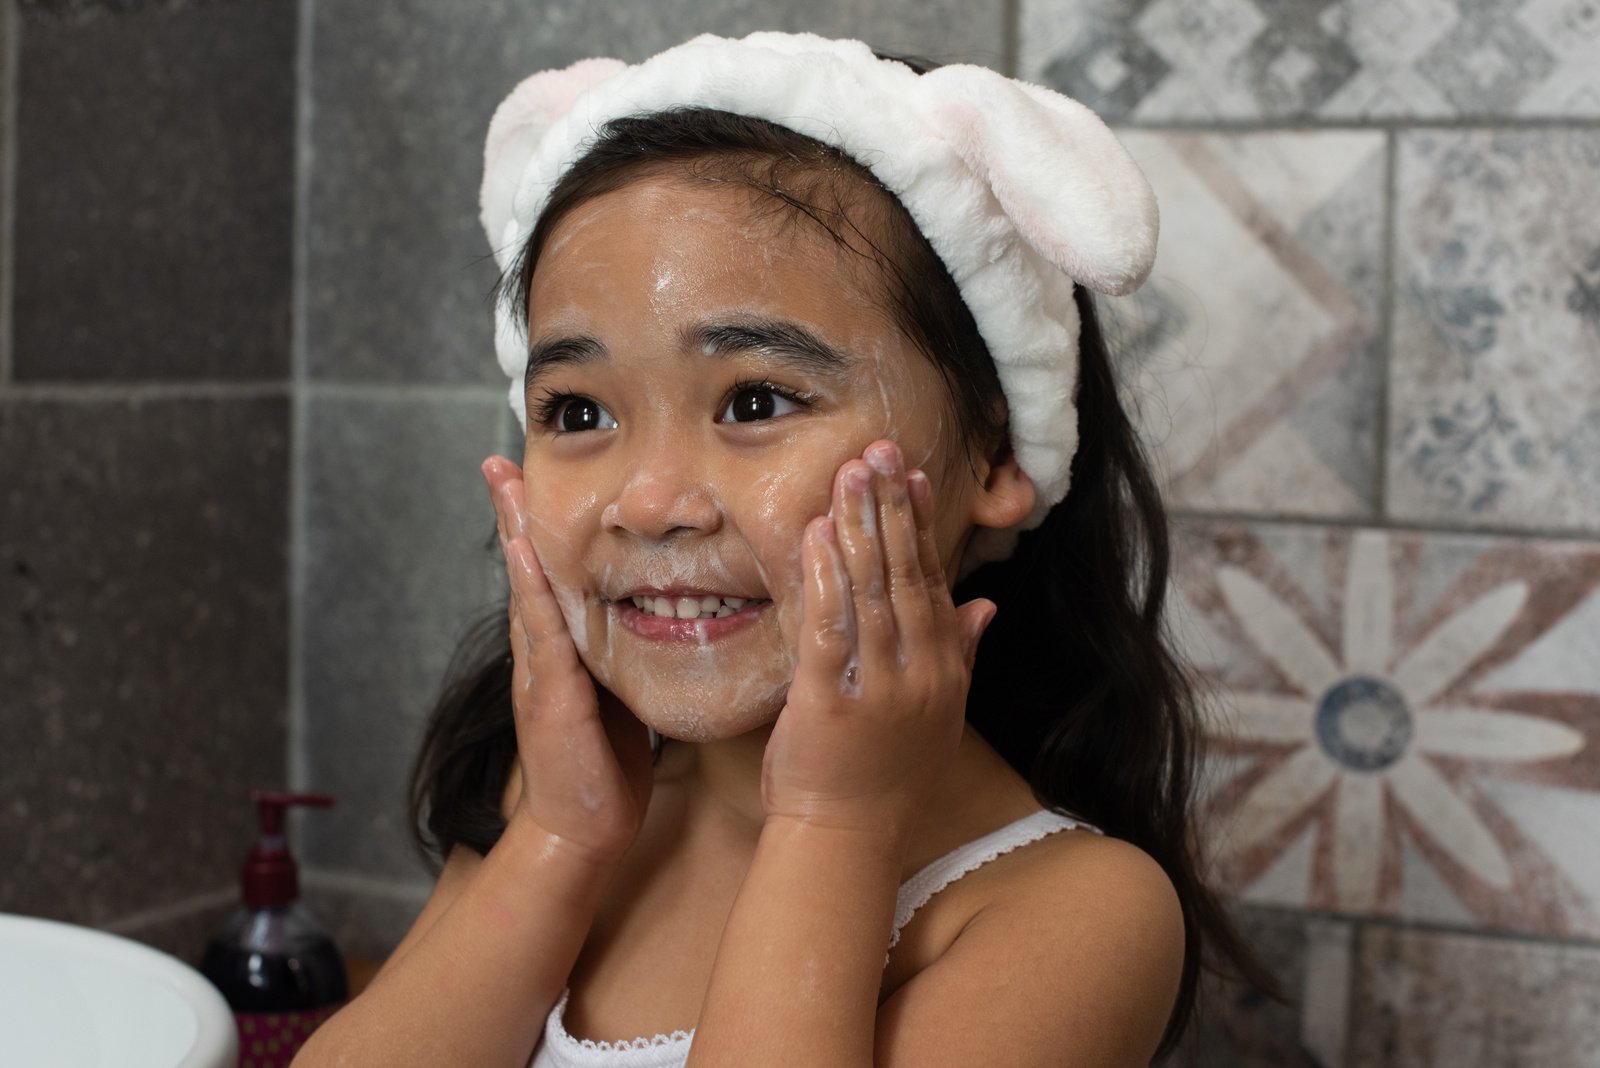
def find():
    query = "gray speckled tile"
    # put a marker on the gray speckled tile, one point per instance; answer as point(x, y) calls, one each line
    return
point(1427, 1000)
point(395, 563)
point(153, 226)
point(1415, 715)
point(143, 647)
point(1237, 1026)
point(1196, 60)
point(1495, 374)
point(1253, 347)
point(399, 269)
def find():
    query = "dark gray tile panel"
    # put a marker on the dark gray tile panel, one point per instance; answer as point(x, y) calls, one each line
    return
point(395, 564)
point(143, 647)
point(154, 192)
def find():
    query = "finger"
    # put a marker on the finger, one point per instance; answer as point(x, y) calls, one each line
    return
point(898, 541)
point(551, 657)
point(974, 618)
point(506, 494)
point(827, 619)
point(920, 490)
point(855, 521)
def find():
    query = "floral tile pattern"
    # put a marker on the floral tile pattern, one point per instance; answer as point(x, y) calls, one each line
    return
point(1495, 366)
point(1420, 713)
point(1174, 60)
point(1258, 384)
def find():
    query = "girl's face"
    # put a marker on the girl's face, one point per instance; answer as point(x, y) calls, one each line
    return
point(699, 372)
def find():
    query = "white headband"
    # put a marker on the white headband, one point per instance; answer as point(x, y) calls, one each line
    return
point(1021, 191)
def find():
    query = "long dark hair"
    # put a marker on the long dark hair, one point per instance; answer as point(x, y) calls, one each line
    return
point(1075, 684)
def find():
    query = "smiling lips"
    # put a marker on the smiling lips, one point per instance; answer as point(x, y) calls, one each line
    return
point(686, 615)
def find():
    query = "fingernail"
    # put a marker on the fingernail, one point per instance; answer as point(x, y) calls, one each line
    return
point(856, 480)
point(917, 485)
point(825, 529)
point(884, 458)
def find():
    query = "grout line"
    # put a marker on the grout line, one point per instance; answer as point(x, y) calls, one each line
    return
point(1385, 354)
point(350, 882)
point(1352, 992)
point(177, 910)
point(1010, 36)
point(1412, 925)
point(135, 392)
point(1431, 526)
point(1310, 124)
point(296, 764)
point(467, 391)
point(10, 91)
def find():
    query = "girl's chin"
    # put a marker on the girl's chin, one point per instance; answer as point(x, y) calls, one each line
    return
point(706, 720)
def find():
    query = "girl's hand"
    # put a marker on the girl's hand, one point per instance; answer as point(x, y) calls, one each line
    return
point(878, 702)
point(586, 763)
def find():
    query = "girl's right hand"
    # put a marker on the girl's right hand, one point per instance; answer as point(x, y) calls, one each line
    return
point(587, 767)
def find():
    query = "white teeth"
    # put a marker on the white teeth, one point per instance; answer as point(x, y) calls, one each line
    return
point(707, 607)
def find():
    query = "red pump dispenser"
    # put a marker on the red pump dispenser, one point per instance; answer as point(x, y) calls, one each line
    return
point(270, 877)
point(274, 963)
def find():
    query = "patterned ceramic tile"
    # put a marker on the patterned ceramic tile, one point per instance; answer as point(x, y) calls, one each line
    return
point(1411, 720)
point(1441, 1001)
point(1255, 340)
point(399, 270)
point(397, 519)
point(154, 193)
point(143, 647)
point(1167, 60)
point(1236, 1026)
point(1495, 376)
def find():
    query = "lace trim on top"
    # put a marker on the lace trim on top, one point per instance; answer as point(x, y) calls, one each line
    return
point(674, 1045)
point(916, 891)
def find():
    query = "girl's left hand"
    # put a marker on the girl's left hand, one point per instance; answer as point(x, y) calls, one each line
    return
point(878, 701)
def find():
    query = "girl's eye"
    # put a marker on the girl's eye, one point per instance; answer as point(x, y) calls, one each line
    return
point(569, 415)
point(750, 404)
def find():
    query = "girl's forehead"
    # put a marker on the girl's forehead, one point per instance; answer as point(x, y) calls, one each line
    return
point(675, 243)
point(680, 216)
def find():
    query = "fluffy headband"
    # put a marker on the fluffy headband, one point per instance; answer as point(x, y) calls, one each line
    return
point(1021, 191)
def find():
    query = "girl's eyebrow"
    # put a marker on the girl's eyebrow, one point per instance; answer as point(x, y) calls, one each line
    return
point(779, 339)
point(550, 352)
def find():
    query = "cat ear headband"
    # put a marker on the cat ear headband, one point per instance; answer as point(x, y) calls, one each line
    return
point(1021, 191)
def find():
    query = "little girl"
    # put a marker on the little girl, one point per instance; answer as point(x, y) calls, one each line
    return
point(798, 334)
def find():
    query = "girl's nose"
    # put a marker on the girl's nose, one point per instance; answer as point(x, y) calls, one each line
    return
point(656, 503)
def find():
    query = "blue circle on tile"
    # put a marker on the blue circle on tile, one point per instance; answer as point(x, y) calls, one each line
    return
point(1363, 723)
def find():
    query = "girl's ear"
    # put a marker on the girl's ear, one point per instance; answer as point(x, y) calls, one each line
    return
point(1007, 494)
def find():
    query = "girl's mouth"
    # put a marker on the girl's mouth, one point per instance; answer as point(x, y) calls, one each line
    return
point(687, 616)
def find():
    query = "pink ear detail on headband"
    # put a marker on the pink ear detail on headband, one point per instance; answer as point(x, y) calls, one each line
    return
point(1047, 160)
point(519, 124)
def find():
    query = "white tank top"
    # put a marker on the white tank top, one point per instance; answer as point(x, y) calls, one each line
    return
point(560, 1050)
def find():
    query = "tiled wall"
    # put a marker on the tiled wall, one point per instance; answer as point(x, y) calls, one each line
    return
point(245, 383)
point(1370, 360)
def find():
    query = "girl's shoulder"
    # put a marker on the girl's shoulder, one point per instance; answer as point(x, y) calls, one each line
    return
point(1082, 933)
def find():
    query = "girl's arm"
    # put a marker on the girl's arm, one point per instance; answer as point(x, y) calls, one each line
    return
point(474, 981)
point(876, 709)
point(476, 985)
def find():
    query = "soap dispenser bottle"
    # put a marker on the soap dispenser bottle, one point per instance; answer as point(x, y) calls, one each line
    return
point(278, 969)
